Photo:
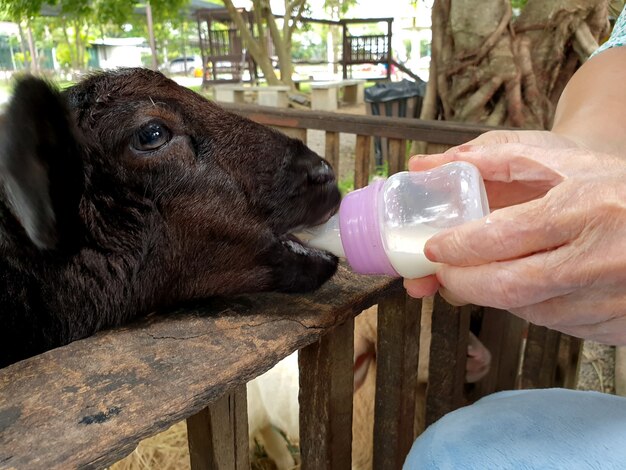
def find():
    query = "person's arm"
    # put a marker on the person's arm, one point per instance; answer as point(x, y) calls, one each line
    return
point(592, 108)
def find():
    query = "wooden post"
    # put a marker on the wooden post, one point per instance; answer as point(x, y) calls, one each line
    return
point(568, 361)
point(540, 357)
point(389, 51)
point(448, 357)
point(361, 161)
point(396, 379)
point(326, 389)
point(332, 150)
point(218, 435)
point(346, 56)
point(502, 334)
point(397, 156)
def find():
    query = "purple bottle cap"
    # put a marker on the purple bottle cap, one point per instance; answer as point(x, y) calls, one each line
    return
point(360, 231)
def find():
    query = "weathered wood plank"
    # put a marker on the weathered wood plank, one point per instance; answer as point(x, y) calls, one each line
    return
point(326, 390)
point(362, 161)
point(568, 361)
point(89, 403)
point(502, 334)
point(397, 155)
point(332, 150)
point(396, 379)
point(540, 357)
point(441, 132)
point(448, 356)
point(218, 435)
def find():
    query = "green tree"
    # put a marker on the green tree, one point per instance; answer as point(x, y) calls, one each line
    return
point(23, 12)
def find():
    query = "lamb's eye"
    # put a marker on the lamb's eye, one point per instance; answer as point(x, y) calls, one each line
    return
point(150, 137)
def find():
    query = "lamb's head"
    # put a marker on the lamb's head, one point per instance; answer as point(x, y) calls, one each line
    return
point(130, 161)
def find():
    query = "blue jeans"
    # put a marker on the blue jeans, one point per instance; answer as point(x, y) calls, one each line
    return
point(527, 429)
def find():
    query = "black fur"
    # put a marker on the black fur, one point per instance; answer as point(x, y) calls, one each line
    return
point(97, 227)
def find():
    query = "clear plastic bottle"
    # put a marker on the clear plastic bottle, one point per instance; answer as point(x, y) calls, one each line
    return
point(382, 228)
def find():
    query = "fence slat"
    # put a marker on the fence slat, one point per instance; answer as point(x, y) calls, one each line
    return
point(326, 389)
point(362, 161)
point(502, 334)
point(397, 155)
point(396, 379)
point(540, 357)
point(568, 361)
point(218, 435)
point(448, 355)
point(332, 150)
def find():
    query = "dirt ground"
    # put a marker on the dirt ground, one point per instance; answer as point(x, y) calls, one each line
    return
point(597, 368)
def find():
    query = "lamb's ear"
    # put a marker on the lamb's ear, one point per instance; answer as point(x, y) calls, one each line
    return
point(40, 165)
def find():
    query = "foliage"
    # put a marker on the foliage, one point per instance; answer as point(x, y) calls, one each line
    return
point(519, 4)
point(338, 8)
point(19, 10)
point(81, 21)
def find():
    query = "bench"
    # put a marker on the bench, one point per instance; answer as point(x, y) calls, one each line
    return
point(324, 95)
point(271, 95)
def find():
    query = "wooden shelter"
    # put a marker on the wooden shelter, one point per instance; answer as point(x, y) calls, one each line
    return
point(225, 57)
point(223, 54)
point(368, 48)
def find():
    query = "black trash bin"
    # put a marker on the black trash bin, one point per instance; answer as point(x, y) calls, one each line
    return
point(393, 99)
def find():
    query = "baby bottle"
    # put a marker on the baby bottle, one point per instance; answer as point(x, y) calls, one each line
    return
point(382, 228)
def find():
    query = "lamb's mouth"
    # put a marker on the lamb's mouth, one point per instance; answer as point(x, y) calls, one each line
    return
point(294, 244)
point(296, 239)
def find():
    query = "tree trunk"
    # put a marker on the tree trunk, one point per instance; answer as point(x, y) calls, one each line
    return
point(34, 59)
point(69, 44)
point(491, 67)
point(155, 59)
point(281, 40)
point(255, 46)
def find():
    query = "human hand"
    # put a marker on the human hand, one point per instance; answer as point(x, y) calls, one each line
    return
point(518, 166)
point(556, 261)
point(502, 190)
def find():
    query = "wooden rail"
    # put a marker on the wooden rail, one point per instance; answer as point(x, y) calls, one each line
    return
point(89, 403)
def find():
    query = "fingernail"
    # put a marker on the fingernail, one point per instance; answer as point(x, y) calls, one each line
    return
point(432, 251)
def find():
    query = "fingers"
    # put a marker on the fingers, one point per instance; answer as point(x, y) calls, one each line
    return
point(509, 285)
point(597, 320)
point(507, 234)
point(452, 298)
point(423, 287)
point(503, 163)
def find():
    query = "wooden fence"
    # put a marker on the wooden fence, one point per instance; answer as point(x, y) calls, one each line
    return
point(89, 403)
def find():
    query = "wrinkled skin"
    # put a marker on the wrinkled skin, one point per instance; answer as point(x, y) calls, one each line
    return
point(553, 251)
point(128, 194)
